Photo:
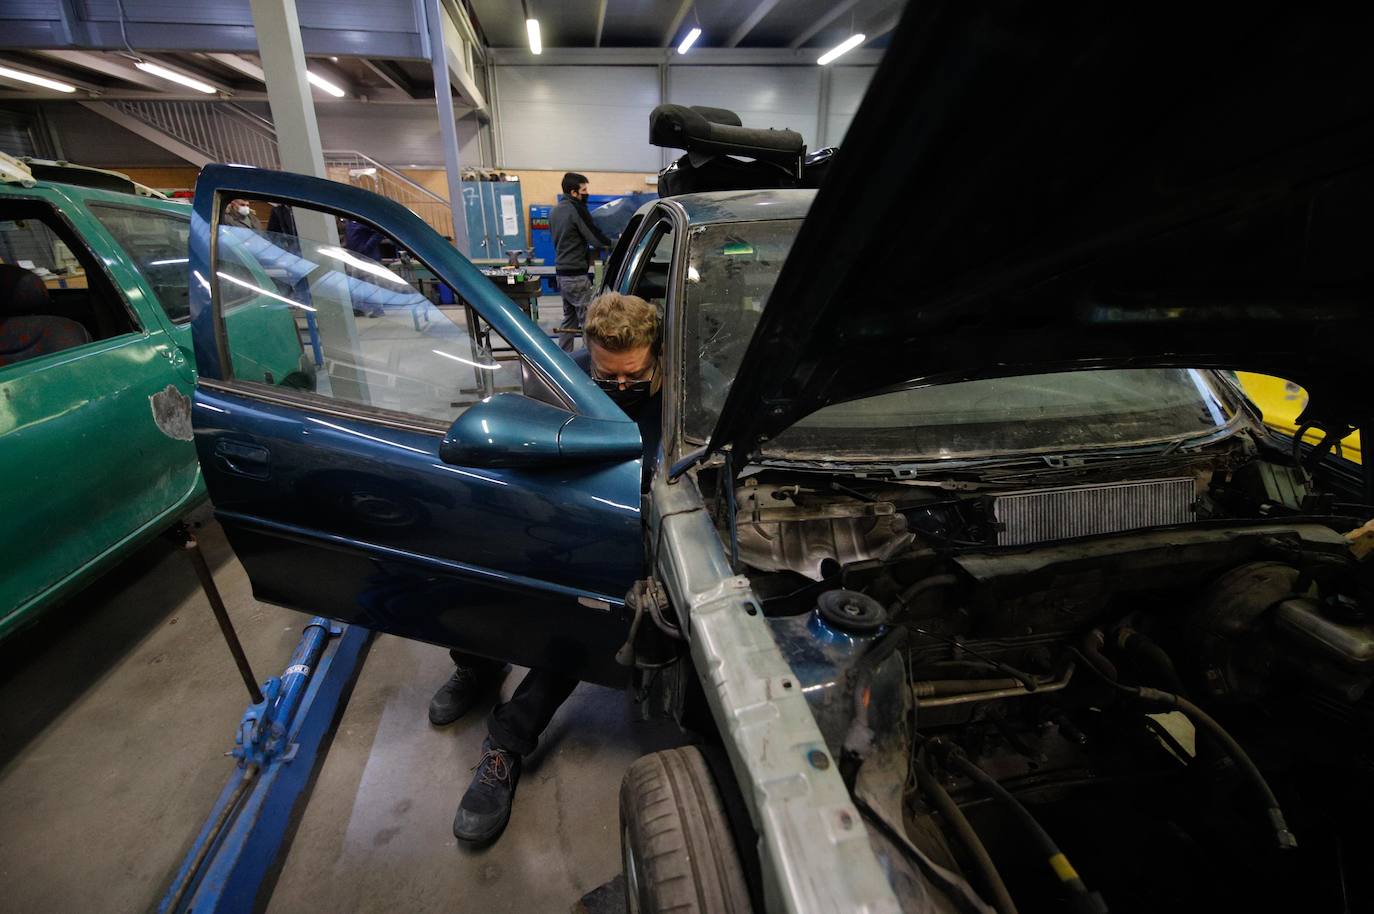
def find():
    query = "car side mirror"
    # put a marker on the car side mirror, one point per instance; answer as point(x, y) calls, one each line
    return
point(509, 430)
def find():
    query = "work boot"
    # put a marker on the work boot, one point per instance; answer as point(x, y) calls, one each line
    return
point(460, 693)
point(485, 808)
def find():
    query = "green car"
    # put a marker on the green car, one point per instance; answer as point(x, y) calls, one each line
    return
point(96, 373)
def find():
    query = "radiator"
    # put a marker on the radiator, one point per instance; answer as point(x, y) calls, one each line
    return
point(1039, 515)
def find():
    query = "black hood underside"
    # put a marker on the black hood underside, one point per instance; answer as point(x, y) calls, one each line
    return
point(1032, 187)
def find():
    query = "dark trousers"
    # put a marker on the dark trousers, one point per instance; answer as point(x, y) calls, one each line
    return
point(517, 724)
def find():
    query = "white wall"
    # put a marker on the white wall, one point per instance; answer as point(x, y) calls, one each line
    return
point(578, 118)
point(594, 118)
point(847, 87)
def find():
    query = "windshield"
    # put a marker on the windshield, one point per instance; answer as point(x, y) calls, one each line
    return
point(732, 268)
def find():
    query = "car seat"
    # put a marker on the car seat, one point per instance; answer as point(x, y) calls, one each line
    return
point(26, 330)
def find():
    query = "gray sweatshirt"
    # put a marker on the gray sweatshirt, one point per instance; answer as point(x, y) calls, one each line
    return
point(573, 234)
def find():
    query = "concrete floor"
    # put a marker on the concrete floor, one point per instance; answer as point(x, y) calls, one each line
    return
point(116, 710)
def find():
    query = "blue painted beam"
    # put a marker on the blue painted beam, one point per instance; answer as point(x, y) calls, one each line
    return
point(257, 805)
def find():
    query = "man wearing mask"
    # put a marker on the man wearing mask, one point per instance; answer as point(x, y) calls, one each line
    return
point(622, 333)
point(239, 213)
point(574, 234)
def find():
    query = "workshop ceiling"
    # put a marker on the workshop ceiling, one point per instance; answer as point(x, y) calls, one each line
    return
point(659, 23)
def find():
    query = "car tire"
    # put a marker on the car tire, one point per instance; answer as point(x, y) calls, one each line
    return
point(678, 852)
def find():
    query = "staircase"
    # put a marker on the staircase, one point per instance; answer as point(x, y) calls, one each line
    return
point(226, 132)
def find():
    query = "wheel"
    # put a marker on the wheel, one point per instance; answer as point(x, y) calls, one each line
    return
point(679, 855)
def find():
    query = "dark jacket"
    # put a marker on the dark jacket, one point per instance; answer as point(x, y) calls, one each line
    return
point(574, 234)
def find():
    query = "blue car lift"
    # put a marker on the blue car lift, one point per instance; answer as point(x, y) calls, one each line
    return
point(280, 742)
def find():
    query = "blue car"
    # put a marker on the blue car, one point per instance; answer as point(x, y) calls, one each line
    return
point(982, 581)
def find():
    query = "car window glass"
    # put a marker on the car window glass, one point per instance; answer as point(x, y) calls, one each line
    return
point(156, 243)
point(72, 300)
point(338, 310)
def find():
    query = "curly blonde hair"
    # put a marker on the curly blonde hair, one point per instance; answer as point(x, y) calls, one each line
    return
point(618, 323)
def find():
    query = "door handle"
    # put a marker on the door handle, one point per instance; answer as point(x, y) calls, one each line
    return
point(243, 459)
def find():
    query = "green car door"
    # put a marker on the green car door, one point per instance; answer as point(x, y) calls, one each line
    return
point(95, 440)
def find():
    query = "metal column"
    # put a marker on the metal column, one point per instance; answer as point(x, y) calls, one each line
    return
point(278, 31)
point(448, 127)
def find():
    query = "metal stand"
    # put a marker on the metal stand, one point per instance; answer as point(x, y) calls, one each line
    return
point(182, 536)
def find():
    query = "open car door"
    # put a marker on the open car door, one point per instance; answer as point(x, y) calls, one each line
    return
point(439, 472)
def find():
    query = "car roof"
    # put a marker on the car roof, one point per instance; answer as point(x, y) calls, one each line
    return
point(744, 205)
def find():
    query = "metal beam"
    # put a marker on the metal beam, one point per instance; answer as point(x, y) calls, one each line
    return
point(390, 74)
point(670, 37)
point(240, 65)
point(448, 127)
point(109, 65)
point(182, 36)
point(151, 134)
point(712, 57)
point(822, 22)
point(600, 21)
point(28, 66)
point(754, 18)
point(454, 45)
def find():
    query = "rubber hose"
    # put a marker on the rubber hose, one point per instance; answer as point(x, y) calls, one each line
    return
point(1142, 648)
point(954, 817)
point(1081, 899)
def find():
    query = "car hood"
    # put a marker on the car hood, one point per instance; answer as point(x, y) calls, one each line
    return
point(1031, 188)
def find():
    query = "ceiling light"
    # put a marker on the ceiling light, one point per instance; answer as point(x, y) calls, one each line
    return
point(324, 85)
point(849, 44)
point(688, 41)
point(173, 76)
point(35, 79)
point(532, 26)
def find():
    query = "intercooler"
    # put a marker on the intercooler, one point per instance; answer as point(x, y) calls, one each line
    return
point(1040, 515)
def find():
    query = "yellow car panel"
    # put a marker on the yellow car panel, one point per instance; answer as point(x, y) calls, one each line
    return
point(1281, 402)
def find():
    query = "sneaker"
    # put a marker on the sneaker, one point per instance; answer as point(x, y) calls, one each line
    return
point(485, 808)
point(457, 696)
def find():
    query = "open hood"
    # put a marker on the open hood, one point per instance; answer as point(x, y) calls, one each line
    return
point(1032, 187)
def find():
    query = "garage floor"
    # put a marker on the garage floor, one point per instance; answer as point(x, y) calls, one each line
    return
point(116, 710)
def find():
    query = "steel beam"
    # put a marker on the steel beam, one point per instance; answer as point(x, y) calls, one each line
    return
point(448, 127)
point(707, 57)
point(600, 21)
point(149, 133)
point(670, 36)
point(288, 91)
point(390, 74)
point(815, 27)
point(755, 16)
point(109, 65)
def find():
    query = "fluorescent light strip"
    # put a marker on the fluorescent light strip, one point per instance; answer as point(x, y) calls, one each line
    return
point(36, 80)
point(689, 40)
point(532, 26)
point(173, 76)
point(324, 85)
point(849, 44)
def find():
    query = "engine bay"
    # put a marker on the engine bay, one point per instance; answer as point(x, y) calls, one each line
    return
point(1134, 685)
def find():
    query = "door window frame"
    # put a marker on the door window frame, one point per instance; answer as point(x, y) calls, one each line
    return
point(59, 204)
point(314, 402)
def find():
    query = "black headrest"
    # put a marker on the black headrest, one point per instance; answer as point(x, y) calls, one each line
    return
point(680, 127)
point(21, 291)
point(718, 115)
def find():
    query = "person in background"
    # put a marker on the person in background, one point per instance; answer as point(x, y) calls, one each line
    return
point(574, 237)
point(239, 213)
point(363, 239)
point(621, 356)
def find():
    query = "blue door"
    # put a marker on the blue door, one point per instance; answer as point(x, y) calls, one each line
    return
point(405, 478)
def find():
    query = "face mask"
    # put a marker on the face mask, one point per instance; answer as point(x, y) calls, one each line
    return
point(243, 210)
point(627, 399)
